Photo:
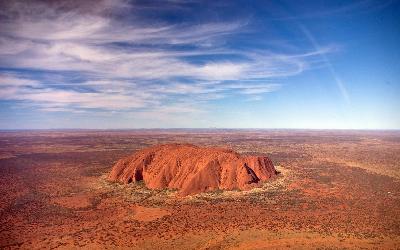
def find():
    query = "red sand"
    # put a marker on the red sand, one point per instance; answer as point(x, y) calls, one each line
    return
point(192, 169)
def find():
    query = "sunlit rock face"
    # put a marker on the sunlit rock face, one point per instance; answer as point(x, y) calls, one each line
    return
point(192, 169)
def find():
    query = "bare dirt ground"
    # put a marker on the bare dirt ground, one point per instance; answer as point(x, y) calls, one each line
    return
point(336, 190)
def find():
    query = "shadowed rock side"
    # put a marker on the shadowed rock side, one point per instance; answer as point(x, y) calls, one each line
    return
point(192, 169)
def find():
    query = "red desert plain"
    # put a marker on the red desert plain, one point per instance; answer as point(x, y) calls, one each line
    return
point(200, 189)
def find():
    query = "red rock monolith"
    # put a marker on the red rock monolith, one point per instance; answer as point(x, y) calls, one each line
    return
point(192, 169)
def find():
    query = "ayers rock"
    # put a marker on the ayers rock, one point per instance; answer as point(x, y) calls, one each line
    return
point(192, 169)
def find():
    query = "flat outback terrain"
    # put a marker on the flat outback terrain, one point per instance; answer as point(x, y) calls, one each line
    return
point(334, 190)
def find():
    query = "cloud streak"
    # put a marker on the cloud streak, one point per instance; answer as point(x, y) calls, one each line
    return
point(100, 60)
point(342, 88)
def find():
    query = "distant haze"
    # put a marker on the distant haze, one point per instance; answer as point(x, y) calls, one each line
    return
point(199, 64)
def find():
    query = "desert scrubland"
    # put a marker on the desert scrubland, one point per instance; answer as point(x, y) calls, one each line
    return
point(335, 189)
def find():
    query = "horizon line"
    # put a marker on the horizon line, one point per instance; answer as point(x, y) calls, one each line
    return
point(196, 128)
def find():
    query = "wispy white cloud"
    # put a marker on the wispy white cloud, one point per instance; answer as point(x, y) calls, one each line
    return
point(342, 88)
point(130, 65)
point(10, 80)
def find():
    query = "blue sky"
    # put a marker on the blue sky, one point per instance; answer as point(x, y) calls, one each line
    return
point(200, 64)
